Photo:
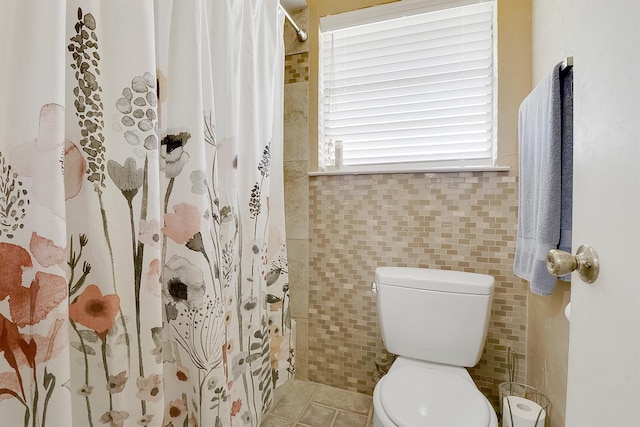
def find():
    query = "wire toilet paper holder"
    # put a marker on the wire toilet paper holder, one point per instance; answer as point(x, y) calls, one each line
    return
point(528, 393)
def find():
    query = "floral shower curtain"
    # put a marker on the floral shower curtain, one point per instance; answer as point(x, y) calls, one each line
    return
point(143, 269)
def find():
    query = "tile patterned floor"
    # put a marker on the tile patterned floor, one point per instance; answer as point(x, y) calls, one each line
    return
point(307, 404)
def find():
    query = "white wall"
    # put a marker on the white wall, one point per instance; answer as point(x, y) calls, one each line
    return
point(553, 29)
point(547, 328)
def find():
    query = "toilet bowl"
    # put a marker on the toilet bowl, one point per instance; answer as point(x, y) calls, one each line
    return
point(422, 394)
point(436, 322)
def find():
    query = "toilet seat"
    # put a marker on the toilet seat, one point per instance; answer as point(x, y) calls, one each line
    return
point(413, 396)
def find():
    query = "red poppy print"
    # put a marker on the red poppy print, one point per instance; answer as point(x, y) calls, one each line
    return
point(13, 260)
point(29, 306)
point(95, 311)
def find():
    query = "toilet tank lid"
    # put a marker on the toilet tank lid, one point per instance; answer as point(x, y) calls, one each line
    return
point(436, 280)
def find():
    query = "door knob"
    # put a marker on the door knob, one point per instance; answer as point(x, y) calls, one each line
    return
point(585, 261)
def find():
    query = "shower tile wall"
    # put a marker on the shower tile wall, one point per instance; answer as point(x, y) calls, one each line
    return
point(462, 221)
point(296, 68)
point(339, 228)
point(296, 186)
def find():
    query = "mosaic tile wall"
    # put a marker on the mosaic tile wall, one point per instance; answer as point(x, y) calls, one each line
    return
point(296, 67)
point(463, 221)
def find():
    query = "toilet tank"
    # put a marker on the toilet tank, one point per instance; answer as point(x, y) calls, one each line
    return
point(434, 315)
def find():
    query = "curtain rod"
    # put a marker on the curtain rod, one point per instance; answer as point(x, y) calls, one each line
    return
point(300, 33)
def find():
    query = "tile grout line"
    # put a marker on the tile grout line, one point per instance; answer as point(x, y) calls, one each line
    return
point(306, 405)
point(335, 415)
point(311, 399)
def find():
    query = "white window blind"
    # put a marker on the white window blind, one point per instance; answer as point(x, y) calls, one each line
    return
point(410, 90)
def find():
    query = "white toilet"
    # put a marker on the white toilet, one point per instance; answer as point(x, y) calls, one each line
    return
point(435, 321)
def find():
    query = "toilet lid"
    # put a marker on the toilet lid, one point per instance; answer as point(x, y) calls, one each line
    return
point(413, 396)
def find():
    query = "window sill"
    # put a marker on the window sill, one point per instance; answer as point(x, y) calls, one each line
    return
point(441, 169)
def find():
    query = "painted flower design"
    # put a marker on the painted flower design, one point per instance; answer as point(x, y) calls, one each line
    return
point(245, 417)
point(149, 233)
point(152, 278)
point(171, 311)
point(116, 383)
point(198, 182)
point(235, 407)
point(138, 108)
point(127, 178)
point(211, 383)
point(172, 154)
point(182, 373)
point(114, 418)
point(228, 347)
point(239, 364)
point(10, 382)
point(150, 388)
point(74, 167)
point(200, 340)
point(21, 350)
point(183, 224)
point(40, 159)
point(46, 252)
point(28, 305)
point(50, 345)
point(193, 421)
point(14, 260)
point(162, 350)
point(12, 343)
point(145, 420)
point(183, 283)
point(94, 310)
point(176, 411)
point(85, 390)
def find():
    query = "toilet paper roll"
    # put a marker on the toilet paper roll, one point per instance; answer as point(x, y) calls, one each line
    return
point(522, 412)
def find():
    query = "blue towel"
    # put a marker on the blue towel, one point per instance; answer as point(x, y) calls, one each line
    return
point(545, 176)
point(566, 201)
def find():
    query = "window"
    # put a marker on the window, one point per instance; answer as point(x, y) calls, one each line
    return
point(408, 85)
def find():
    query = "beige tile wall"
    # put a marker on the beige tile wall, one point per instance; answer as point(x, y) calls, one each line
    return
point(461, 221)
point(296, 68)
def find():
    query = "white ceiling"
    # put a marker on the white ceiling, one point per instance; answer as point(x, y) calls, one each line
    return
point(291, 5)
